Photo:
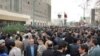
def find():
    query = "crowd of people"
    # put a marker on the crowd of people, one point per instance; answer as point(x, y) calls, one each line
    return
point(51, 41)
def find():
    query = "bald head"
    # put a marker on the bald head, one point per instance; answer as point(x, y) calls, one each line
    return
point(49, 44)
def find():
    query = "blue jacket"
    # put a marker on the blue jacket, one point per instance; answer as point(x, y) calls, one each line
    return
point(28, 50)
point(3, 54)
point(95, 51)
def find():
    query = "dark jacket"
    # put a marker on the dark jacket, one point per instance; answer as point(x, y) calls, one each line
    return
point(69, 39)
point(7, 43)
point(57, 53)
point(85, 54)
point(28, 50)
point(48, 52)
point(74, 50)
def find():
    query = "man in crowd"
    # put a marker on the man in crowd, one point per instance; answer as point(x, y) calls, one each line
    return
point(49, 50)
point(25, 43)
point(15, 51)
point(41, 47)
point(74, 47)
point(83, 50)
point(18, 43)
point(62, 47)
point(31, 49)
point(2, 48)
point(95, 47)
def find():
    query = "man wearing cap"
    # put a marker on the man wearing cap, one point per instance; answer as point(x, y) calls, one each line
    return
point(2, 48)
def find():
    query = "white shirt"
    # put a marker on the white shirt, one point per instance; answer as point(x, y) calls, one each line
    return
point(15, 52)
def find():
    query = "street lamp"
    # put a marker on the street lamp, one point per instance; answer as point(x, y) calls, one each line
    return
point(84, 7)
point(65, 16)
point(59, 18)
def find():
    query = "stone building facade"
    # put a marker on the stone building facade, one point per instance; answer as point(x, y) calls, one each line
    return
point(38, 10)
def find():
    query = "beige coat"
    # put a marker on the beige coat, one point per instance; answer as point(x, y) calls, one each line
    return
point(19, 44)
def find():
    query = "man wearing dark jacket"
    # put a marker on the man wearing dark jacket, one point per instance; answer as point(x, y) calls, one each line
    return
point(69, 38)
point(49, 51)
point(31, 49)
point(61, 48)
point(74, 48)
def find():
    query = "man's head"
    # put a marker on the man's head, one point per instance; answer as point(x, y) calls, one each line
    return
point(31, 41)
point(2, 46)
point(83, 49)
point(77, 41)
point(2, 42)
point(62, 46)
point(93, 42)
point(49, 44)
point(26, 37)
point(17, 38)
point(12, 43)
point(40, 41)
